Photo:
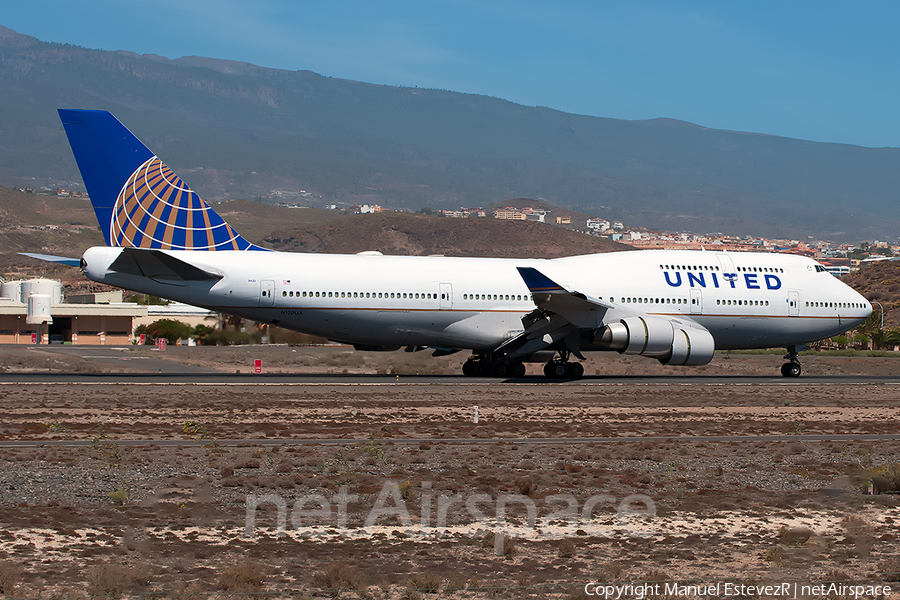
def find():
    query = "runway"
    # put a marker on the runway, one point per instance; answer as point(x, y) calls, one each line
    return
point(207, 377)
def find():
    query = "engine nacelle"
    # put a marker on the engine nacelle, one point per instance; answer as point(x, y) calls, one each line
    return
point(670, 342)
point(691, 347)
point(644, 335)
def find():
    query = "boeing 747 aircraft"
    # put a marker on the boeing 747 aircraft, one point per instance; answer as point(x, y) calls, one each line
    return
point(674, 306)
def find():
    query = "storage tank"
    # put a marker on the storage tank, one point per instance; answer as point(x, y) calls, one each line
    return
point(46, 287)
point(11, 291)
point(38, 309)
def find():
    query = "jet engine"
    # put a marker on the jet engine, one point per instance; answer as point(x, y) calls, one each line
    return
point(668, 341)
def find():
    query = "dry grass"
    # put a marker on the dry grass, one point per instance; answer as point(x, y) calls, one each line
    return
point(607, 572)
point(245, 576)
point(567, 548)
point(10, 575)
point(508, 548)
point(890, 569)
point(115, 580)
point(795, 536)
point(185, 591)
point(424, 582)
point(886, 478)
point(338, 577)
point(656, 576)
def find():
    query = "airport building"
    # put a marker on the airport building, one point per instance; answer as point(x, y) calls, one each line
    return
point(35, 312)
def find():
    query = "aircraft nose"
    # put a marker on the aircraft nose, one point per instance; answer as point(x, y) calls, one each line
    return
point(866, 304)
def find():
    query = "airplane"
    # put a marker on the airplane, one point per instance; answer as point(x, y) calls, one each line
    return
point(677, 306)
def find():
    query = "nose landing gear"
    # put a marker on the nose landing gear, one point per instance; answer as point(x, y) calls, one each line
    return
point(791, 368)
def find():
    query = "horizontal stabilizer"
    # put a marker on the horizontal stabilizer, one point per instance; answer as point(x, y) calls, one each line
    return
point(157, 264)
point(63, 260)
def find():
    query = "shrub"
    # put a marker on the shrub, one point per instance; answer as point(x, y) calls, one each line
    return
point(509, 544)
point(890, 569)
point(886, 478)
point(566, 548)
point(338, 577)
point(115, 580)
point(607, 572)
point(423, 582)
point(525, 486)
point(245, 576)
point(10, 575)
point(119, 496)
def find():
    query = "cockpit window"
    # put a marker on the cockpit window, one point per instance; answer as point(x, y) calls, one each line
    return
point(820, 269)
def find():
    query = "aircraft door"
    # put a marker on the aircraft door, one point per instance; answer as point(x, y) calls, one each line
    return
point(725, 262)
point(267, 292)
point(793, 304)
point(446, 296)
point(696, 301)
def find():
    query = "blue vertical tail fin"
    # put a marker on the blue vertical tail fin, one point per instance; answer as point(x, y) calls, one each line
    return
point(138, 200)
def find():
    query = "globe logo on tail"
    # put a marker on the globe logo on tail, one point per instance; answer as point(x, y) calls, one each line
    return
point(156, 209)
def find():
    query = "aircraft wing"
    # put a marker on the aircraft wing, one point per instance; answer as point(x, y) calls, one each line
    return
point(579, 309)
point(560, 317)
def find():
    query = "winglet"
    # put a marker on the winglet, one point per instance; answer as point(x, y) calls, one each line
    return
point(537, 282)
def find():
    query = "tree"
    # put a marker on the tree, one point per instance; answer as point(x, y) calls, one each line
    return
point(169, 329)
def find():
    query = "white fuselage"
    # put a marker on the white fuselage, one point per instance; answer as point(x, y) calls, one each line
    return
point(745, 300)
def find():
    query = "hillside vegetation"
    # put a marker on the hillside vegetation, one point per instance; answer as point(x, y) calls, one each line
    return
point(67, 227)
point(880, 282)
point(415, 234)
point(235, 130)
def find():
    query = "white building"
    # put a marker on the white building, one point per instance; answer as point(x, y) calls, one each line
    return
point(598, 224)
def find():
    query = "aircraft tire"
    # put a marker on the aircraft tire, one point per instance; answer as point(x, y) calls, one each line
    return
point(473, 368)
point(790, 370)
point(574, 370)
point(517, 369)
point(500, 369)
point(555, 370)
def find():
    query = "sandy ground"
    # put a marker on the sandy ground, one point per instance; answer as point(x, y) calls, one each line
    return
point(376, 517)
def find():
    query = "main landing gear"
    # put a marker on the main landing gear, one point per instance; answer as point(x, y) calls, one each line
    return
point(483, 365)
point(792, 367)
point(557, 369)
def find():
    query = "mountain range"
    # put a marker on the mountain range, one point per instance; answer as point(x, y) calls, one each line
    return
point(236, 130)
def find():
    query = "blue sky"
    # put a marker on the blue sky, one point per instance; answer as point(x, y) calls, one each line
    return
point(824, 71)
